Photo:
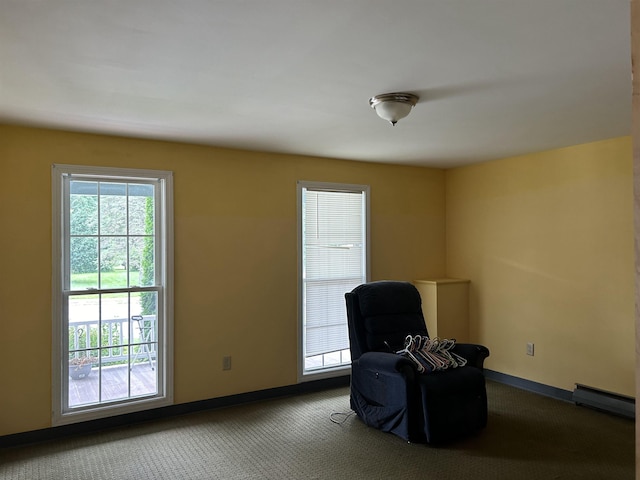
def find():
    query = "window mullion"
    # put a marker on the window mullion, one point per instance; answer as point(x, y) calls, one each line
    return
point(99, 236)
point(127, 239)
point(157, 237)
point(99, 334)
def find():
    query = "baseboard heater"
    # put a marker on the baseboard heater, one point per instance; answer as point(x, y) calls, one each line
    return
point(606, 401)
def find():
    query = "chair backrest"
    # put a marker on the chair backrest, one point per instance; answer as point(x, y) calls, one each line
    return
point(384, 311)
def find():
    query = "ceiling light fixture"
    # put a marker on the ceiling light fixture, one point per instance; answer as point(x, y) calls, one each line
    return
point(393, 106)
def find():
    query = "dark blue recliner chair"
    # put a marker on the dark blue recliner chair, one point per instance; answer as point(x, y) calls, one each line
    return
point(387, 392)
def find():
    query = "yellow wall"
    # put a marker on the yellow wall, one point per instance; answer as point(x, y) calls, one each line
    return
point(235, 256)
point(547, 242)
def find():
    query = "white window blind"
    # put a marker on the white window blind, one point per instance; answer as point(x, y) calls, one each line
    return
point(333, 263)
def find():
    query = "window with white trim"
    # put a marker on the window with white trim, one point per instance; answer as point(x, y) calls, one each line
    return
point(333, 259)
point(112, 291)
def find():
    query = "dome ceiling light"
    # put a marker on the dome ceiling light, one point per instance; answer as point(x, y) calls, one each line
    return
point(393, 106)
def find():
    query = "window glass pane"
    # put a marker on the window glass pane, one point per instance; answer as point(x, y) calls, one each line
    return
point(114, 323)
point(113, 209)
point(83, 209)
point(147, 263)
point(136, 248)
point(83, 253)
point(84, 314)
point(148, 303)
point(114, 328)
point(114, 307)
point(113, 262)
point(114, 383)
point(83, 378)
point(141, 212)
point(82, 358)
point(144, 341)
point(326, 324)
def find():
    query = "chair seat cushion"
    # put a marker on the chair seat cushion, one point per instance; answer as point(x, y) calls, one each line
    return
point(452, 381)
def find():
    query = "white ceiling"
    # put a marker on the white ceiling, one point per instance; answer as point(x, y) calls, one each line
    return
point(496, 78)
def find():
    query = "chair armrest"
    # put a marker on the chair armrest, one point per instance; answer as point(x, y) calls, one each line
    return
point(384, 362)
point(474, 354)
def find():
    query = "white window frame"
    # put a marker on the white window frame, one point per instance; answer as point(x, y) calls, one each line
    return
point(328, 371)
point(61, 413)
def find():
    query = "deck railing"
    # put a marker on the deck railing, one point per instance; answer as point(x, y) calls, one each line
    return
point(117, 340)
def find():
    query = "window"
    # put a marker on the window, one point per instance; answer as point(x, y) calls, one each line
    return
point(112, 291)
point(333, 259)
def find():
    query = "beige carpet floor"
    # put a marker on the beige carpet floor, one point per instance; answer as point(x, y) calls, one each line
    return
point(528, 437)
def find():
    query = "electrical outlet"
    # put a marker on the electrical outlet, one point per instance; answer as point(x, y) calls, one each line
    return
point(530, 349)
point(226, 362)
